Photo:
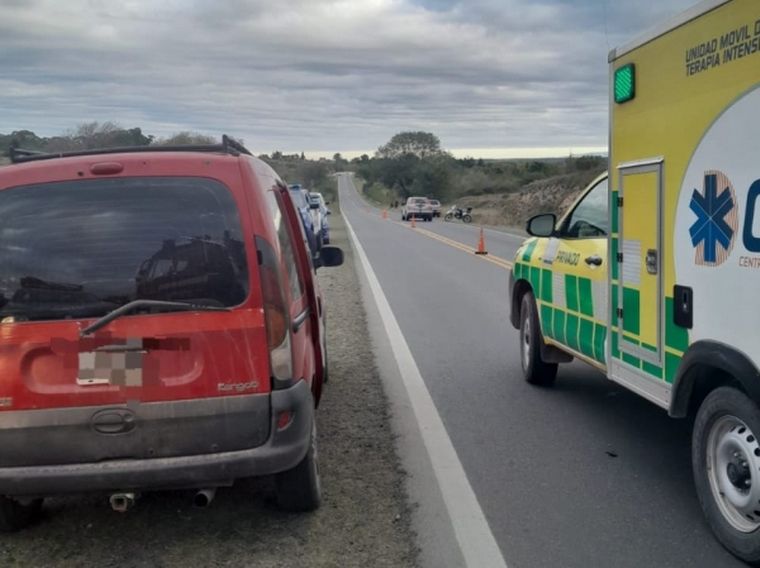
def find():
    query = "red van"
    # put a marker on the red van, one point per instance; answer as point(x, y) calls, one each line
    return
point(160, 327)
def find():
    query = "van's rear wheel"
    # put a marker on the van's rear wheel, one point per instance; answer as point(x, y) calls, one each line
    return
point(16, 515)
point(299, 489)
point(535, 370)
point(726, 465)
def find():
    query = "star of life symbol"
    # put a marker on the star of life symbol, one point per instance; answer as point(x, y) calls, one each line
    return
point(712, 234)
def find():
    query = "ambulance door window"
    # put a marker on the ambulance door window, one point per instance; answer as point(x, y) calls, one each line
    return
point(590, 218)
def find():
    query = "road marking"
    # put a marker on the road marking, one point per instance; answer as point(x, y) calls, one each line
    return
point(477, 543)
point(493, 259)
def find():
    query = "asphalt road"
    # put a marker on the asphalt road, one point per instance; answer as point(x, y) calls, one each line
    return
point(582, 474)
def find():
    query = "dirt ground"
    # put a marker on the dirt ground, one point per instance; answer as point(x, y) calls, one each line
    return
point(364, 519)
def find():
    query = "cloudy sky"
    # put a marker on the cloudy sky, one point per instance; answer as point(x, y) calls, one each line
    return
point(489, 77)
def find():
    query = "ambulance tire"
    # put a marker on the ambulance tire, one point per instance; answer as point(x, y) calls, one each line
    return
point(535, 370)
point(723, 405)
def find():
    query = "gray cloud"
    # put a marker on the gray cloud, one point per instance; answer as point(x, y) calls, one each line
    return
point(330, 75)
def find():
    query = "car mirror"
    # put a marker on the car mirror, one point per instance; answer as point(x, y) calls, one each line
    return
point(328, 212)
point(327, 203)
point(330, 256)
point(542, 225)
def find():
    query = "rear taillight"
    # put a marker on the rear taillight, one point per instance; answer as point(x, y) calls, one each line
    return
point(276, 315)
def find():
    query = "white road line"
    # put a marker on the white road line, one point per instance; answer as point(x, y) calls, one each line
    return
point(477, 543)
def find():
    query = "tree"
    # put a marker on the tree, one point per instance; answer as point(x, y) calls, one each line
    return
point(340, 161)
point(413, 163)
point(25, 139)
point(419, 144)
point(91, 135)
point(186, 138)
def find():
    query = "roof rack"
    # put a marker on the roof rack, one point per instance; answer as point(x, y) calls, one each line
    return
point(228, 146)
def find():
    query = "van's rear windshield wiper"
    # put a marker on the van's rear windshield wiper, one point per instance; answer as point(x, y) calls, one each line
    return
point(137, 304)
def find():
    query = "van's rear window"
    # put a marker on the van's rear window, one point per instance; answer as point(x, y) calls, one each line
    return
point(82, 248)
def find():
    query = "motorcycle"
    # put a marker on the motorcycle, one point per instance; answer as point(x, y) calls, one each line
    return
point(458, 213)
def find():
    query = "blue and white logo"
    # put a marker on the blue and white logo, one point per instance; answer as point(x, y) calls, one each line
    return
point(714, 231)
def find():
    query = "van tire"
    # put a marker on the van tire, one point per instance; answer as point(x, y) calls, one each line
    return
point(299, 489)
point(15, 516)
point(535, 370)
point(715, 415)
point(325, 366)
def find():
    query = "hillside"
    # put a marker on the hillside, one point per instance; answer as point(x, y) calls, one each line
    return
point(550, 195)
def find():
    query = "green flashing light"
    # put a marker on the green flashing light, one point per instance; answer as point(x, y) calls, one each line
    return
point(625, 83)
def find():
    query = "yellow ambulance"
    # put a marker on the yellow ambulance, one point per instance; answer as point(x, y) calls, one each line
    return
point(653, 276)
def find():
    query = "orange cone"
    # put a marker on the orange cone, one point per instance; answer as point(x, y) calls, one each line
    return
point(385, 213)
point(414, 224)
point(481, 244)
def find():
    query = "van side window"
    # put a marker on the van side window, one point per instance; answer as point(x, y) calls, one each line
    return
point(287, 245)
point(589, 219)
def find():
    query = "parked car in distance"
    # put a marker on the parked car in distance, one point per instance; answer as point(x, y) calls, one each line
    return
point(319, 213)
point(300, 196)
point(161, 328)
point(417, 207)
point(436, 205)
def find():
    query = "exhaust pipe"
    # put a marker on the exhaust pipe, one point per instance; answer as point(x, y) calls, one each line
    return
point(122, 502)
point(203, 498)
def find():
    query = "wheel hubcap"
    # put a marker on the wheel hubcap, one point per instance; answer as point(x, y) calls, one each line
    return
point(733, 469)
point(526, 343)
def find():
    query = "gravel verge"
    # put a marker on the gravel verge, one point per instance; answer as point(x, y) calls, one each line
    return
point(364, 519)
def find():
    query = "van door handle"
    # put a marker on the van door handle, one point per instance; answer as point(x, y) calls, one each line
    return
point(594, 260)
point(300, 319)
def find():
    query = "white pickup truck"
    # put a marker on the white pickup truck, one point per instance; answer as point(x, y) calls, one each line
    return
point(417, 207)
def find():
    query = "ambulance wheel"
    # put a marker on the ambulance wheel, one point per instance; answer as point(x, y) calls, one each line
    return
point(726, 464)
point(535, 370)
point(15, 515)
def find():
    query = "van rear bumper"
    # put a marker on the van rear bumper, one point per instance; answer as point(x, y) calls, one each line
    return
point(283, 450)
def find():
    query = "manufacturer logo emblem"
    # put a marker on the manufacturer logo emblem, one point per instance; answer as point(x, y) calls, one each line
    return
point(237, 387)
point(714, 231)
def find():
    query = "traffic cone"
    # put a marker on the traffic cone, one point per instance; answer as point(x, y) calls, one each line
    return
point(414, 224)
point(481, 244)
point(385, 213)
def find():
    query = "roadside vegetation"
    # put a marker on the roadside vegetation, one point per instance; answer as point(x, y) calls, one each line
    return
point(293, 168)
point(502, 192)
point(313, 174)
